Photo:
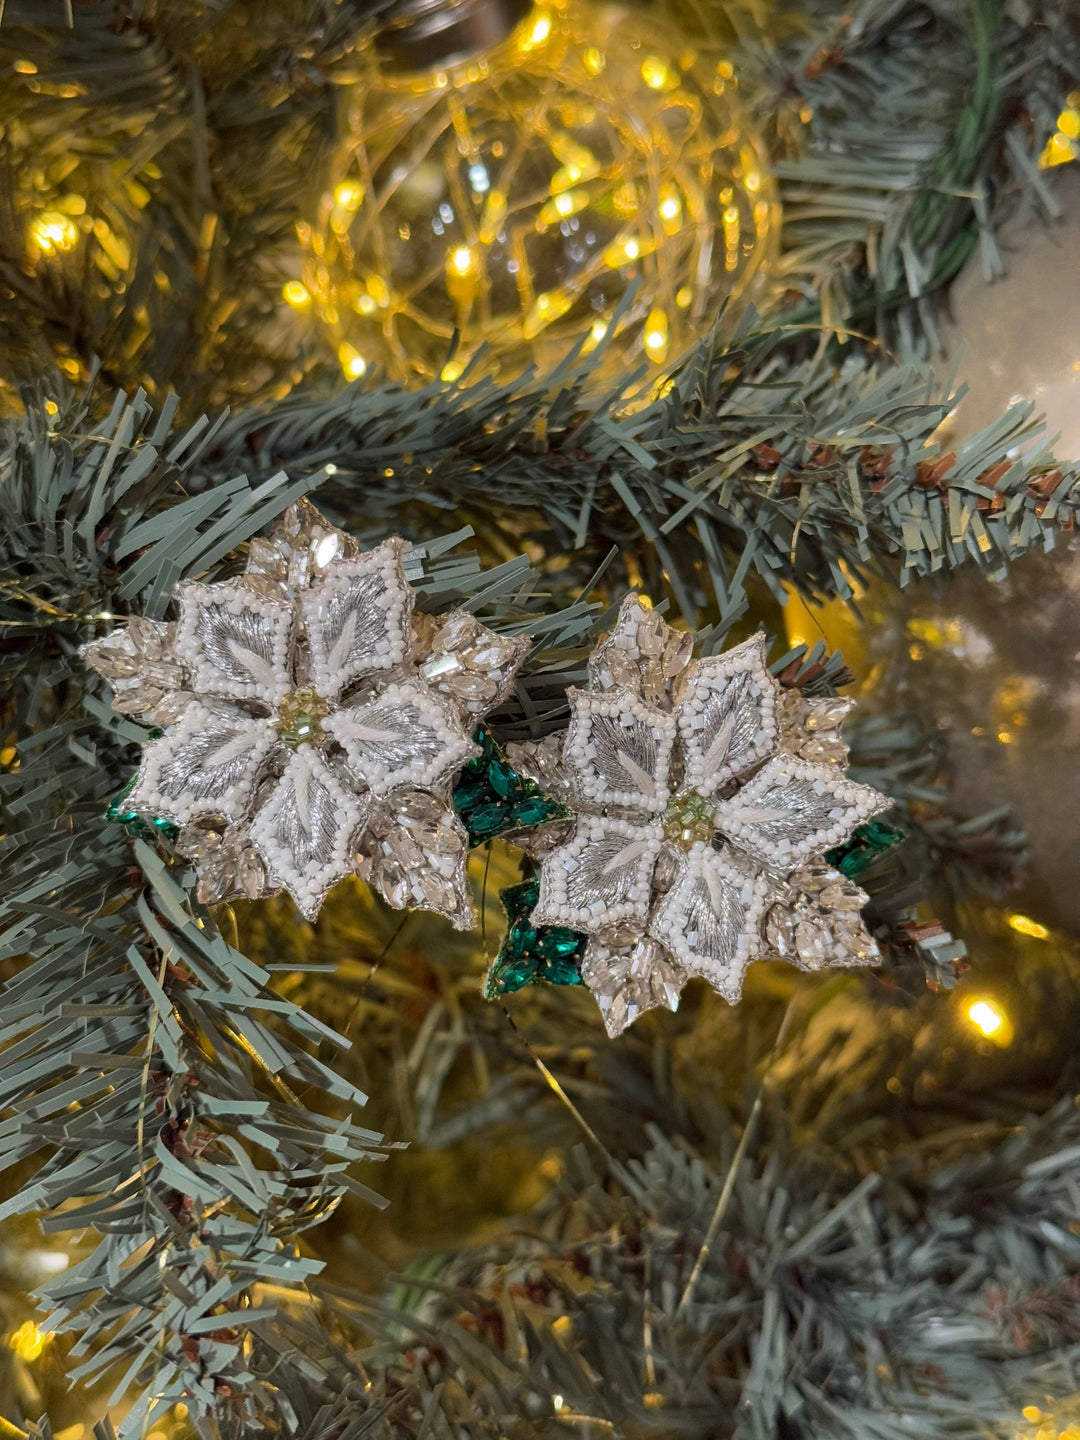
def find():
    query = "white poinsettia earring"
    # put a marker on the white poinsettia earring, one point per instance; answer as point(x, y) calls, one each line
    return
point(314, 723)
point(696, 813)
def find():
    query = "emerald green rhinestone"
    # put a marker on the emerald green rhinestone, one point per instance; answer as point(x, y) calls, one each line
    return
point(558, 942)
point(530, 953)
point(504, 781)
point(486, 821)
point(537, 809)
point(867, 843)
point(506, 978)
point(563, 972)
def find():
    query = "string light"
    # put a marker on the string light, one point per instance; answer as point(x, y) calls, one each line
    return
point(1024, 925)
point(296, 294)
point(52, 232)
point(28, 1341)
point(990, 1020)
point(512, 199)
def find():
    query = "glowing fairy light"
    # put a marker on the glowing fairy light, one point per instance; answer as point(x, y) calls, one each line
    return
point(655, 72)
point(28, 1341)
point(52, 232)
point(296, 294)
point(462, 260)
point(349, 194)
point(1024, 925)
point(656, 336)
point(352, 362)
point(990, 1020)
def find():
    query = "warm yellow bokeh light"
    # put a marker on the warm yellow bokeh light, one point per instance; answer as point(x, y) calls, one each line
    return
point(349, 194)
point(990, 1020)
point(1068, 122)
point(537, 33)
point(462, 260)
point(593, 60)
point(1024, 925)
point(296, 294)
point(28, 1341)
point(655, 72)
point(656, 336)
point(52, 232)
point(352, 362)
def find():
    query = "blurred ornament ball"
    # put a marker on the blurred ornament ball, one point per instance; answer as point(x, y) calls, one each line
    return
point(510, 175)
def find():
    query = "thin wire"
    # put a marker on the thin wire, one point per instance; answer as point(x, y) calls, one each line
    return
point(615, 1166)
point(743, 1146)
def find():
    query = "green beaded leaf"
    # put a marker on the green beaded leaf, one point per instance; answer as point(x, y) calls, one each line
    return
point(867, 843)
point(134, 823)
point(530, 953)
point(493, 799)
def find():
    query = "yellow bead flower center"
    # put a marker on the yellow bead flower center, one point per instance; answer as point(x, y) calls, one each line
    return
point(688, 819)
point(300, 716)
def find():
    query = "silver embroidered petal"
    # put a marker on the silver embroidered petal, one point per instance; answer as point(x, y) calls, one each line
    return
point(710, 918)
point(208, 764)
point(236, 643)
point(627, 980)
point(618, 750)
point(405, 735)
point(601, 877)
point(413, 851)
point(357, 619)
point(306, 831)
point(727, 716)
point(793, 810)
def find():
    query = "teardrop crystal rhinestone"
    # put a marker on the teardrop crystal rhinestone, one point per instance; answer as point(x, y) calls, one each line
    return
point(266, 559)
point(680, 648)
point(831, 751)
point(853, 936)
point(827, 714)
point(251, 874)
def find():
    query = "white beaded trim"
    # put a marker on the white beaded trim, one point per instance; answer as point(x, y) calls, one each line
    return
point(702, 681)
point(332, 670)
point(554, 906)
point(579, 750)
point(259, 740)
point(669, 925)
point(347, 726)
point(852, 804)
point(234, 597)
point(310, 886)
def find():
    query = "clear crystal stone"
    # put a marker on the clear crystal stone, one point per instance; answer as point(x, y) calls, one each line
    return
point(833, 752)
point(811, 943)
point(456, 631)
point(780, 931)
point(439, 666)
point(826, 714)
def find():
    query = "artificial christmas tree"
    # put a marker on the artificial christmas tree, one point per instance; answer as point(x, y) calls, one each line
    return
point(365, 1173)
